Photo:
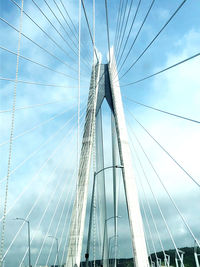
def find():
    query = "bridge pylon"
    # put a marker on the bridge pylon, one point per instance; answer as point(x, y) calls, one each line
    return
point(105, 84)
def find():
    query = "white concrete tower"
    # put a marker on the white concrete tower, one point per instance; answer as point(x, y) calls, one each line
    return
point(106, 86)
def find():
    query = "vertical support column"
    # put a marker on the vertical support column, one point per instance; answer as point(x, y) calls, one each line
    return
point(177, 260)
point(196, 259)
point(115, 162)
point(167, 260)
point(78, 222)
point(90, 222)
point(196, 255)
point(135, 219)
point(101, 191)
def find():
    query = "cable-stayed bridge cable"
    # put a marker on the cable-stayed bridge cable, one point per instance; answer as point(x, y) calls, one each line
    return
point(161, 71)
point(139, 180)
point(50, 224)
point(152, 41)
point(143, 22)
point(65, 222)
point(68, 16)
point(173, 159)
point(40, 194)
point(10, 152)
point(160, 110)
point(59, 22)
point(57, 19)
point(130, 30)
point(122, 25)
point(35, 203)
point(39, 148)
point(66, 23)
point(35, 43)
point(167, 192)
point(116, 30)
point(40, 84)
point(35, 83)
point(149, 229)
point(29, 213)
point(67, 53)
point(125, 27)
point(74, 33)
point(107, 26)
point(76, 45)
point(94, 127)
point(163, 218)
point(35, 127)
point(146, 199)
point(67, 213)
point(52, 195)
point(70, 208)
point(88, 26)
point(78, 126)
point(32, 106)
point(58, 32)
point(37, 63)
point(36, 175)
point(74, 27)
point(119, 25)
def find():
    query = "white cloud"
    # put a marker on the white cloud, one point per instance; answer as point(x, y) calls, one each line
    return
point(162, 13)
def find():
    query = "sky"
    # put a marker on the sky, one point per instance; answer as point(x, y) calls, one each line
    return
point(44, 150)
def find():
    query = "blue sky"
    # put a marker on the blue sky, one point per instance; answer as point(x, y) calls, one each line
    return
point(176, 90)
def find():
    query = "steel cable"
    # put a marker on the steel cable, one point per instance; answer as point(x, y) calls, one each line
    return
point(35, 127)
point(38, 149)
point(67, 43)
point(173, 159)
point(163, 218)
point(163, 111)
point(161, 71)
point(37, 63)
point(107, 26)
point(147, 201)
point(167, 192)
point(66, 53)
point(130, 30)
point(77, 46)
point(123, 35)
point(143, 22)
point(152, 41)
point(88, 26)
point(119, 25)
point(40, 194)
point(32, 106)
point(3, 226)
point(38, 45)
point(52, 195)
point(122, 24)
point(116, 30)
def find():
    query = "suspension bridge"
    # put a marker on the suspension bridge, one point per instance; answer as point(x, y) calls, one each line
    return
point(99, 133)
